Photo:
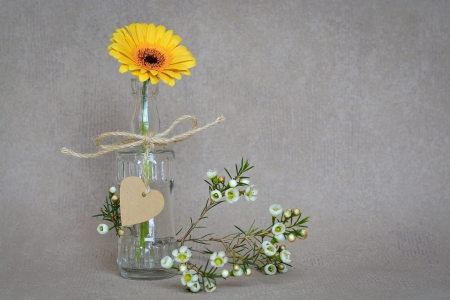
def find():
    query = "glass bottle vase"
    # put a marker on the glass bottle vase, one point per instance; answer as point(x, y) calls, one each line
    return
point(143, 245)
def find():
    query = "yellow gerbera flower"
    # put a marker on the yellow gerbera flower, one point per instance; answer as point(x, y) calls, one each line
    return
point(151, 52)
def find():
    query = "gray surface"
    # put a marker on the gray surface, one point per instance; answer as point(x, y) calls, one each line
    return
point(343, 106)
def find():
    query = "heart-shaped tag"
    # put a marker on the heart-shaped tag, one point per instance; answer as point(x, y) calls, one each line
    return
point(134, 206)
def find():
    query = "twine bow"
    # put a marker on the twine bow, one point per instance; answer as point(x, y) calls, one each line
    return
point(149, 140)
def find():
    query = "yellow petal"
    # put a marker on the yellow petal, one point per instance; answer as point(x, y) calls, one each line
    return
point(173, 74)
point(187, 72)
point(177, 67)
point(132, 31)
point(135, 72)
point(176, 39)
point(143, 77)
point(128, 38)
point(180, 59)
point(125, 60)
point(159, 33)
point(115, 54)
point(123, 69)
point(166, 38)
point(153, 72)
point(153, 79)
point(134, 68)
point(120, 39)
point(151, 31)
point(140, 33)
point(180, 50)
point(122, 49)
point(189, 63)
point(166, 79)
point(144, 30)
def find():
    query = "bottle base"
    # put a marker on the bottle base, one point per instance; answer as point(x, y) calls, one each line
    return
point(147, 274)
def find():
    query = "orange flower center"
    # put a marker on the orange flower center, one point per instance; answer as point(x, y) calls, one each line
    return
point(151, 57)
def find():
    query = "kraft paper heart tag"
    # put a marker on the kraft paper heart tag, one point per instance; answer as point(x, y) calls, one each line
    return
point(134, 207)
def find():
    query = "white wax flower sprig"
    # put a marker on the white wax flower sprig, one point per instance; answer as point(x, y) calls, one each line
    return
point(244, 250)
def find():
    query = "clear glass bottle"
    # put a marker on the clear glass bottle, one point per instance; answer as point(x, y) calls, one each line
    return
point(142, 247)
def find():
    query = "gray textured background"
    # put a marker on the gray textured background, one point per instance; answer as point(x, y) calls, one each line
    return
point(342, 106)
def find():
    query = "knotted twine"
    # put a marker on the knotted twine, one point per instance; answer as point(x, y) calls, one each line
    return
point(148, 141)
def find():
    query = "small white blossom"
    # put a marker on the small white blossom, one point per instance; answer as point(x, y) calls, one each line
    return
point(237, 273)
point(182, 255)
point(225, 273)
point(280, 237)
point(232, 183)
point(216, 195)
point(211, 174)
point(250, 193)
point(270, 250)
point(275, 210)
point(278, 228)
point(232, 195)
point(285, 256)
point(195, 287)
point(167, 262)
point(245, 181)
point(189, 277)
point(270, 269)
point(102, 228)
point(218, 259)
point(210, 287)
point(112, 190)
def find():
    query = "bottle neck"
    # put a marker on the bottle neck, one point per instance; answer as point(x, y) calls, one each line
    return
point(145, 117)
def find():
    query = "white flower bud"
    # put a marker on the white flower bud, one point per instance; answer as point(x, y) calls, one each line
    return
point(102, 228)
point(182, 268)
point(112, 190)
point(280, 237)
point(167, 262)
point(296, 212)
point(232, 183)
point(238, 273)
point(275, 210)
point(287, 213)
point(291, 237)
point(225, 273)
point(114, 198)
point(245, 181)
point(211, 174)
point(303, 233)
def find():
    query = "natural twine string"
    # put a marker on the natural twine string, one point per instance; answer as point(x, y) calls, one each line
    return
point(149, 141)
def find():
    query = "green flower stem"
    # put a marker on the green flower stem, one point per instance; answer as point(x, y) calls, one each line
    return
point(144, 230)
